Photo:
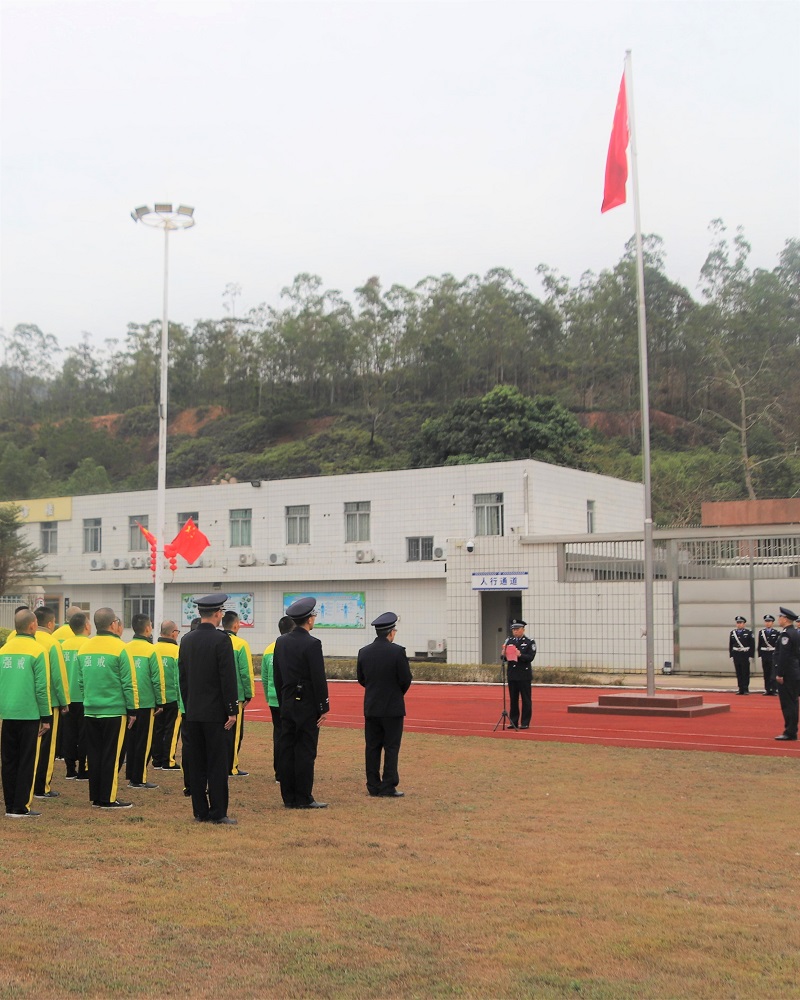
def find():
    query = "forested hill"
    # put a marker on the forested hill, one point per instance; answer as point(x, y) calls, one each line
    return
point(451, 370)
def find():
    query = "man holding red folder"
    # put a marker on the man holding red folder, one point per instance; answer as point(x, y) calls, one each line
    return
point(519, 652)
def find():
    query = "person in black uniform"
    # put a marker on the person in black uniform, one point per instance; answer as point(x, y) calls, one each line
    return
point(519, 652)
point(382, 670)
point(207, 678)
point(742, 649)
point(765, 646)
point(302, 689)
point(787, 672)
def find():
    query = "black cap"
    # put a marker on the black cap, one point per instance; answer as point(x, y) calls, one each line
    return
point(301, 609)
point(788, 614)
point(211, 602)
point(769, 618)
point(385, 622)
point(518, 623)
point(739, 618)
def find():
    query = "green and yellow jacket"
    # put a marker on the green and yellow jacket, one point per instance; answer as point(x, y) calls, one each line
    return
point(267, 677)
point(245, 674)
point(23, 680)
point(144, 661)
point(58, 685)
point(109, 685)
point(69, 650)
point(167, 649)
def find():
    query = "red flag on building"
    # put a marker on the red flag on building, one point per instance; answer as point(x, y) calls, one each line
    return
point(190, 542)
point(617, 160)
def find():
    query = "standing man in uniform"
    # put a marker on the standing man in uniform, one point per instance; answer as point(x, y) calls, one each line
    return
point(765, 646)
point(519, 652)
point(167, 724)
point(25, 711)
point(245, 679)
point(58, 688)
point(207, 676)
point(302, 690)
point(742, 649)
point(383, 671)
point(268, 680)
point(787, 672)
point(110, 700)
point(74, 744)
point(145, 663)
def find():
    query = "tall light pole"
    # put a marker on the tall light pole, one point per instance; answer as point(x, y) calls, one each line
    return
point(163, 216)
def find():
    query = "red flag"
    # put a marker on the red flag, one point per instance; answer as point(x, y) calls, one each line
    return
point(617, 161)
point(190, 542)
point(151, 539)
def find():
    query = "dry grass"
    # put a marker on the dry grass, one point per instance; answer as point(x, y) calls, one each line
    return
point(510, 870)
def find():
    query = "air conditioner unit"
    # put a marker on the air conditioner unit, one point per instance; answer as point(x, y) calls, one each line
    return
point(277, 558)
point(197, 564)
point(436, 646)
point(138, 562)
point(439, 553)
point(247, 559)
point(119, 564)
point(365, 556)
point(97, 564)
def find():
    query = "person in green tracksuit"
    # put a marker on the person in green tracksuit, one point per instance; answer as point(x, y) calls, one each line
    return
point(245, 679)
point(25, 710)
point(145, 662)
point(167, 725)
point(58, 687)
point(268, 680)
point(110, 700)
point(74, 744)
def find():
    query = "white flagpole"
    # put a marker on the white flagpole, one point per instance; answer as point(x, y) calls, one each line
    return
point(644, 387)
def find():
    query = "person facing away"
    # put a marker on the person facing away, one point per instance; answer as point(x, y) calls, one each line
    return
point(383, 671)
point(285, 625)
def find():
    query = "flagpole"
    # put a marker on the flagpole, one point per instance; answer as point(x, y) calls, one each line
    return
point(644, 388)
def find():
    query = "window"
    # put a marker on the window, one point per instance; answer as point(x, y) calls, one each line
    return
point(241, 527)
point(49, 542)
point(488, 513)
point(92, 534)
point(419, 549)
point(136, 540)
point(297, 525)
point(138, 598)
point(356, 521)
point(590, 517)
point(183, 518)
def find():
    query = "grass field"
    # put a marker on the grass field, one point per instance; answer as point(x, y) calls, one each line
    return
point(509, 870)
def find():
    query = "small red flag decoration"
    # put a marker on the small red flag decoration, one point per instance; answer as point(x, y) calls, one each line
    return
point(190, 542)
point(617, 160)
point(151, 538)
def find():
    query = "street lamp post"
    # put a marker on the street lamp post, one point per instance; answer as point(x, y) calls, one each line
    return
point(162, 216)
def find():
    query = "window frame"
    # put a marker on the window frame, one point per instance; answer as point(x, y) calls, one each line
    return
point(298, 522)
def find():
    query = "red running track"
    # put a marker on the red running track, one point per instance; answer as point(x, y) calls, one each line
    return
point(474, 709)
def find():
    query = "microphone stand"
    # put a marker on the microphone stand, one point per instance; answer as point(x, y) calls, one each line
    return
point(504, 716)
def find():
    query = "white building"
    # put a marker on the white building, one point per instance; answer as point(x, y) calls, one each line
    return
point(448, 549)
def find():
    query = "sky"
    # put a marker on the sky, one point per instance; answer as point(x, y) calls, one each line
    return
point(396, 139)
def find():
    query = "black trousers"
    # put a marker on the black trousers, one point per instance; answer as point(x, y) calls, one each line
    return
point(104, 741)
point(789, 694)
point(19, 744)
point(298, 751)
point(519, 690)
point(276, 738)
point(205, 763)
point(742, 665)
point(73, 743)
point(767, 669)
point(47, 755)
point(137, 746)
point(382, 735)
point(166, 726)
point(237, 735)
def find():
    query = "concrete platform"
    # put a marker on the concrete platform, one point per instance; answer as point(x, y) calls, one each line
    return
point(686, 706)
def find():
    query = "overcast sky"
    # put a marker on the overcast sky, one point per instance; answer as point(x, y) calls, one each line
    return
point(398, 139)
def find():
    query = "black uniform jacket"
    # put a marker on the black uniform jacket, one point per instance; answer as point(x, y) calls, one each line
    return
point(520, 670)
point(767, 637)
point(207, 675)
point(741, 637)
point(385, 675)
point(787, 654)
point(299, 672)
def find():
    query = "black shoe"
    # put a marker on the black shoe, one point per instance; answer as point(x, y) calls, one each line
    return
point(783, 736)
point(313, 805)
point(225, 821)
point(30, 814)
point(141, 784)
point(171, 767)
point(239, 774)
point(394, 794)
point(201, 819)
point(70, 777)
point(47, 795)
point(81, 777)
point(113, 805)
point(524, 727)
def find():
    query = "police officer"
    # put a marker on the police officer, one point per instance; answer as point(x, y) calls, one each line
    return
point(765, 646)
point(382, 670)
point(302, 688)
point(207, 678)
point(519, 652)
point(742, 649)
point(787, 672)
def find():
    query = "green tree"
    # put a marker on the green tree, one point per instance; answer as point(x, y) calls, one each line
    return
point(89, 477)
point(19, 560)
